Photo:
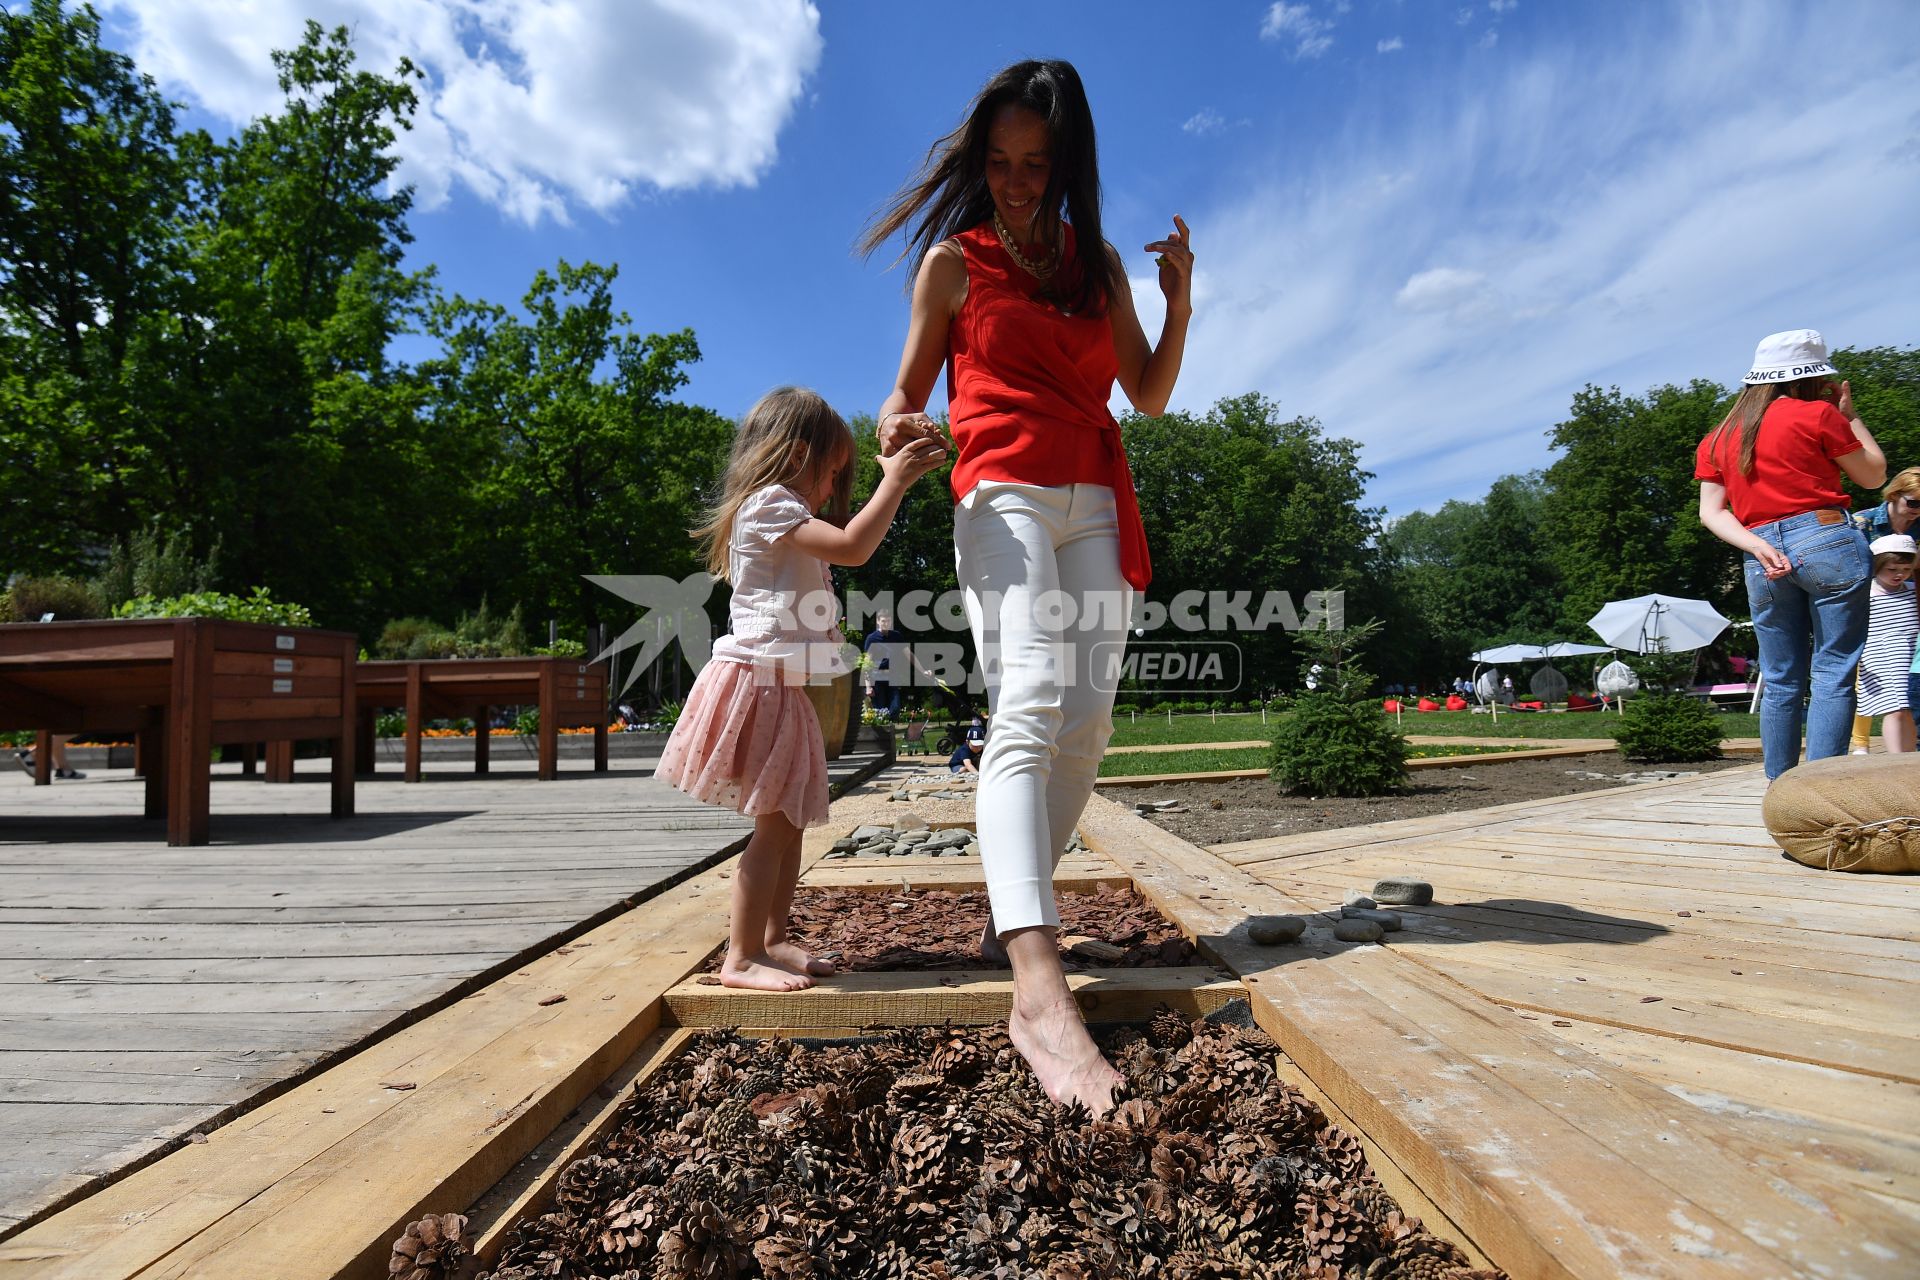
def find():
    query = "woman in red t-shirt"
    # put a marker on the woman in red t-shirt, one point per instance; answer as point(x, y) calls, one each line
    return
point(1028, 308)
point(1770, 485)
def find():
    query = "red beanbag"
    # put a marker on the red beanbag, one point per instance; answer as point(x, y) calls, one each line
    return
point(1391, 704)
point(1428, 704)
point(1456, 703)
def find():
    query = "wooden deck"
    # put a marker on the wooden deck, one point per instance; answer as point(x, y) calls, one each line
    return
point(148, 992)
point(1635, 1030)
point(1631, 1041)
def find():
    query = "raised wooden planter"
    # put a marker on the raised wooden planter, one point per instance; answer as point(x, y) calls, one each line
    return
point(569, 693)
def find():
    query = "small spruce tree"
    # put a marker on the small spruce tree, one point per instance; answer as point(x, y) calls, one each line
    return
point(1333, 739)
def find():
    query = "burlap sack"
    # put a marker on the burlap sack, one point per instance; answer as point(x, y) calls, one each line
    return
point(1849, 813)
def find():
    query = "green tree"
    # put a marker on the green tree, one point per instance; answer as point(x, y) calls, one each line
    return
point(1245, 500)
point(1886, 392)
point(89, 187)
point(586, 465)
point(1621, 517)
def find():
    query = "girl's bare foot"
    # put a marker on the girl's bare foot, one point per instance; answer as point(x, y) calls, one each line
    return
point(992, 950)
point(761, 973)
point(799, 959)
point(1054, 1040)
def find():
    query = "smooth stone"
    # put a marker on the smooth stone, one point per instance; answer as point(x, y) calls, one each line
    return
point(915, 837)
point(910, 822)
point(844, 843)
point(1355, 898)
point(973, 848)
point(899, 850)
point(865, 835)
point(899, 795)
point(1385, 919)
point(1403, 891)
point(955, 838)
point(1271, 931)
point(1358, 931)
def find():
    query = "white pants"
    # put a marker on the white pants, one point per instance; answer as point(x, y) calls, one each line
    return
point(1040, 569)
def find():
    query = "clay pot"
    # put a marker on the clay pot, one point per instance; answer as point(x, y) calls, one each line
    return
point(831, 702)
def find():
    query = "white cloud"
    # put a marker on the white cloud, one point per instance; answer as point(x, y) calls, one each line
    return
point(1310, 35)
point(1503, 6)
point(536, 106)
point(1489, 39)
point(1438, 281)
point(1205, 121)
point(1391, 45)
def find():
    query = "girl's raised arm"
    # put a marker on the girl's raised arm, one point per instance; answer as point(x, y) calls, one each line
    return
point(855, 544)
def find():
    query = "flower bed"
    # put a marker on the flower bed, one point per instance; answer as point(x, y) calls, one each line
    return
point(933, 1153)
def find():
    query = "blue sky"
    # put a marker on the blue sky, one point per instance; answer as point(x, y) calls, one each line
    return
point(1425, 224)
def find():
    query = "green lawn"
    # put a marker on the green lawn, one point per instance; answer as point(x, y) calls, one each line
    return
point(1155, 731)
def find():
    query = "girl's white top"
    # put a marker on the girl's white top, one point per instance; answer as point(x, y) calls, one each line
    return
point(784, 614)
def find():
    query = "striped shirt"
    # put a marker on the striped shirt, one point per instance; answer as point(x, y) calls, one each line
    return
point(1892, 623)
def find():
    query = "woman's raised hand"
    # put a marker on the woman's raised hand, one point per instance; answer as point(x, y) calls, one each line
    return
point(897, 429)
point(1845, 403)
point(913, 459)
point(1176, 265)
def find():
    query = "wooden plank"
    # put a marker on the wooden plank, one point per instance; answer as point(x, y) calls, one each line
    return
point(292, 1190)
point(529, 1189)
point(962, 997)
point(300, 666)
point(274, 708)
point(1554, 1164)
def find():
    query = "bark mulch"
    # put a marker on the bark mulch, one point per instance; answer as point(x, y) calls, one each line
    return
point(924, 929)
point(931, 1153)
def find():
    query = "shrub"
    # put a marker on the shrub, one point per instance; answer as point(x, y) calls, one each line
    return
point(390, 724)
point(409, 638)
point(1669, 728)
point(258, 607)
point(67, 599)
point(561, 648)
point(152, 564)
point(1335, 742)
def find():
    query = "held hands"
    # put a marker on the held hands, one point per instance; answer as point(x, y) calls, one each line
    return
point(1176, 266)
point(897, 429)
point(912, 459)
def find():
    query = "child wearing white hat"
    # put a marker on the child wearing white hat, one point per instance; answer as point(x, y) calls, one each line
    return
point(1893, 622)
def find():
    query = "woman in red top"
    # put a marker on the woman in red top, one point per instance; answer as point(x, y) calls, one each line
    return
point(1027, 307)
point(1770, 485)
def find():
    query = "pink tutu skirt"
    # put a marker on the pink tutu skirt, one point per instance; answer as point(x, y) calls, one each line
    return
point(749, 745)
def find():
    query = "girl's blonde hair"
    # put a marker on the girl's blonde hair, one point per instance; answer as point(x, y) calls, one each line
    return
point(791, 437)
point(1732, 442)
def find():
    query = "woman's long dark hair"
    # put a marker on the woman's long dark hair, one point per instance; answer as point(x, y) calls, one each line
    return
point(1734, 440)
point(950, 195)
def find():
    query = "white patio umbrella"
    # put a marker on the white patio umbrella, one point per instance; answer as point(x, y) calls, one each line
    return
point(1658, 624)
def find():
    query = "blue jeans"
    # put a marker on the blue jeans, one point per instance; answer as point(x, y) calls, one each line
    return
point(1811, 625)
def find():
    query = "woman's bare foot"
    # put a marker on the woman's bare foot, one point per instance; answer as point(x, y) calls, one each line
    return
point(761, 973)
point(799, 959)
point(992, 950)
point(1053, 1038)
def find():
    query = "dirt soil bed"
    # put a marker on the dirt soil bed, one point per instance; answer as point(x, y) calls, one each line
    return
point(932, 1153)
point(862, 930)
point(1223, 812)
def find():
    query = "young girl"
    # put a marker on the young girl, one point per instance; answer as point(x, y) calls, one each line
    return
point(1892, 622)
point(748, 736)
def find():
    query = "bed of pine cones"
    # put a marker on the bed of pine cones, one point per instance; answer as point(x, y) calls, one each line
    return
point(931, 1154)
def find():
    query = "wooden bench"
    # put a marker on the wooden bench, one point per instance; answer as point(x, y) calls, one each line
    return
point(183, 686)
point(570, 694)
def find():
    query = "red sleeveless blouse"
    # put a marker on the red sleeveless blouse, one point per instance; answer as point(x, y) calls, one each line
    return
point(1027, 391)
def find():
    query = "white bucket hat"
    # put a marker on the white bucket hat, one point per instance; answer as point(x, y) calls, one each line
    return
point(1893, 544)
point(1783, 357)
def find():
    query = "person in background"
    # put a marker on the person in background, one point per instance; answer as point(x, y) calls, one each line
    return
point(1770, 486)
point(882, 645)
point(1898, 512)
point(1887, 660)
point(966, 756)
point(57, 748)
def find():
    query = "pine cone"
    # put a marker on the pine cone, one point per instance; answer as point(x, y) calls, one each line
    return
point(1329, 1229)
point(869, 1088)
point(919, 1153)
point(754, 1083)
point(1178, 1157)
point(958, 1057)
point(1342, 1152)
point(783, 1258)
point(589, 1182)
point(911, 1092)
point(1169, 1030)
point(631, 1223)
point(731, 1123)
point(1373, 1203)
point(697, 1245)
point(430, 1249)
point(1190, 1108)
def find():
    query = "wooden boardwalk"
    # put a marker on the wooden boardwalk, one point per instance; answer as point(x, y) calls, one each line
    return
point(149, 992)
point(1638, 985)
